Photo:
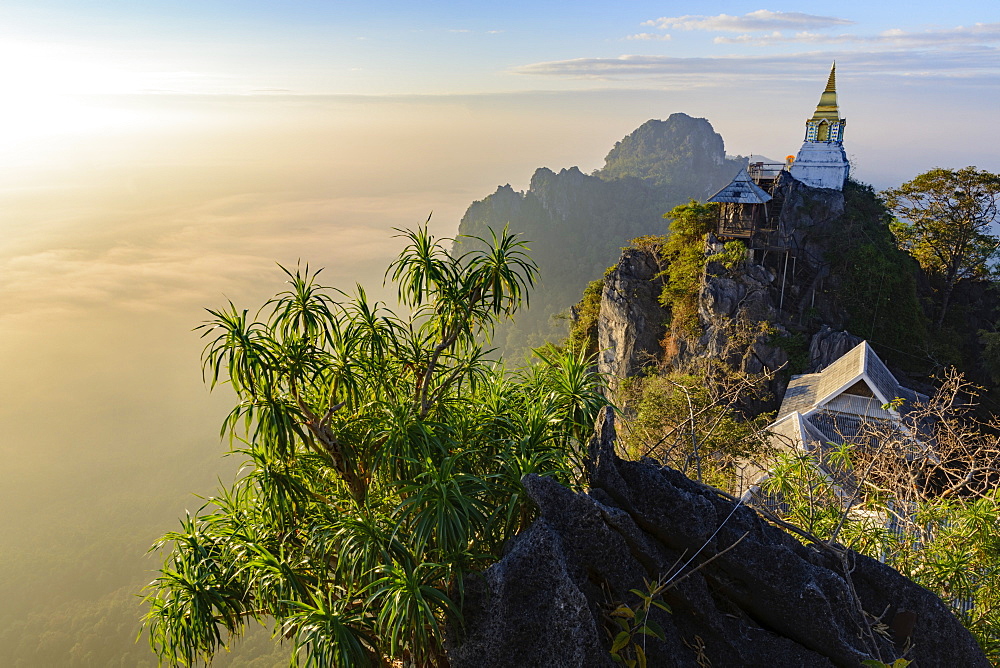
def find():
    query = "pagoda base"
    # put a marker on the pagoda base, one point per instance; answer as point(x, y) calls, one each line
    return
point(821, 164)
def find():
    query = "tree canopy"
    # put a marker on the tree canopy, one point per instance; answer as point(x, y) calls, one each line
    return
point(944, 221)
point(384, 459)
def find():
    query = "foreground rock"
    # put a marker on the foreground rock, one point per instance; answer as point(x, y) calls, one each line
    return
point(748, 594)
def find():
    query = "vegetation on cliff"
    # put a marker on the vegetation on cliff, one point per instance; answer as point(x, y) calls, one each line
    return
point(693, 426)
point(877, 282)
point(583, 329)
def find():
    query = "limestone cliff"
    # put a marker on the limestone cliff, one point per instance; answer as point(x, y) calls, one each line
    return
point(832, 266)
point(632, 321)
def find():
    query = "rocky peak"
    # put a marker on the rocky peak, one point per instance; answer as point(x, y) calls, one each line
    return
point(670, 153)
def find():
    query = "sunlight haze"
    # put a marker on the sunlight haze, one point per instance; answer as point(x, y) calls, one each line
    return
point(158, 158)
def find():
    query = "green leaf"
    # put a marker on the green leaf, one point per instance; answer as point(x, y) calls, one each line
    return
point(620, 641)
point(640, 657)
point(651, 628)
point(662, 606)
point(623, 611)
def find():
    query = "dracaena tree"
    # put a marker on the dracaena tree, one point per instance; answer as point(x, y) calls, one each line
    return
point(384, 458)
point(945, 220)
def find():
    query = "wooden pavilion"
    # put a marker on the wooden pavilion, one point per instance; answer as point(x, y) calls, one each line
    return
point(743, 208)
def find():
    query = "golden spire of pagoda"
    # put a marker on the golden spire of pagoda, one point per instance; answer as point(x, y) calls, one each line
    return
point(827, 107)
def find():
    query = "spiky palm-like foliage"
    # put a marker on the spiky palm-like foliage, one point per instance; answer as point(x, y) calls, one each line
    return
point(384, 459)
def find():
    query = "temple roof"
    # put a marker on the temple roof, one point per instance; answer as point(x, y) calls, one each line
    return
point(857, 384)
point(827, 107)
point(742, 190)
point(846, 402)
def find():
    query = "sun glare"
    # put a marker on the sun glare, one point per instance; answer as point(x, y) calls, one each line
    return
point(53, 90)
point(30, 68)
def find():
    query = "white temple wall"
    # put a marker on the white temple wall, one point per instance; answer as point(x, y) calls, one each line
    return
point(821, 165)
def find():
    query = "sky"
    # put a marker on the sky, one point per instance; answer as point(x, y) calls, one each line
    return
point(160, 157)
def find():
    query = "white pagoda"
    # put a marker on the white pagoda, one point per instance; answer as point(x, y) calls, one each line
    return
point(822, 162)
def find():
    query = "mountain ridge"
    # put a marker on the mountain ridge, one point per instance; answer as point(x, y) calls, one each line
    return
point(576, 223)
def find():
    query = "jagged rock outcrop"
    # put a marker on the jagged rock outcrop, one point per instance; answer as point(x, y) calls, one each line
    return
point(632, 321)
point(732, 304)
point(827, 346)
point(679, 154)
point(731, 301)
point(744, 593)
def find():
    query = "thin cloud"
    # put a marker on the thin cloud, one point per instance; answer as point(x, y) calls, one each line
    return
point(477, 32)
point(760, 20)
point(644, 36)
point(976, 61)
point(980, 33)
point(187, 257)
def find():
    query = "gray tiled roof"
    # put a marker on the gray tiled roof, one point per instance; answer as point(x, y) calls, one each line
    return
point(742, 190)
point(800, 395)
point(829, 413)
point(841, 373)
point(885, 382)
point(858, 361)
point(814, 438)
point(787, 432)
point(818, 414)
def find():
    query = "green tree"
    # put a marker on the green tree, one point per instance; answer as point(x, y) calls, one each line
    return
point(945, 218)
point(684, 251)
point(384, 459)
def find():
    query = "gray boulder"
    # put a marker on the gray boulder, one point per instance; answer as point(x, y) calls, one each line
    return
point(827, 346)
point(744, 592)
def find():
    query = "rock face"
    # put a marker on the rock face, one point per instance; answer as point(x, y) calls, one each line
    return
point(743, 298)
point(632, 321)
point(827, 346)
point(743, 593)
point(810, 225)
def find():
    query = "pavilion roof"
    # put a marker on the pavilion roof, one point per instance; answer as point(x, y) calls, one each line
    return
point(742, 190)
